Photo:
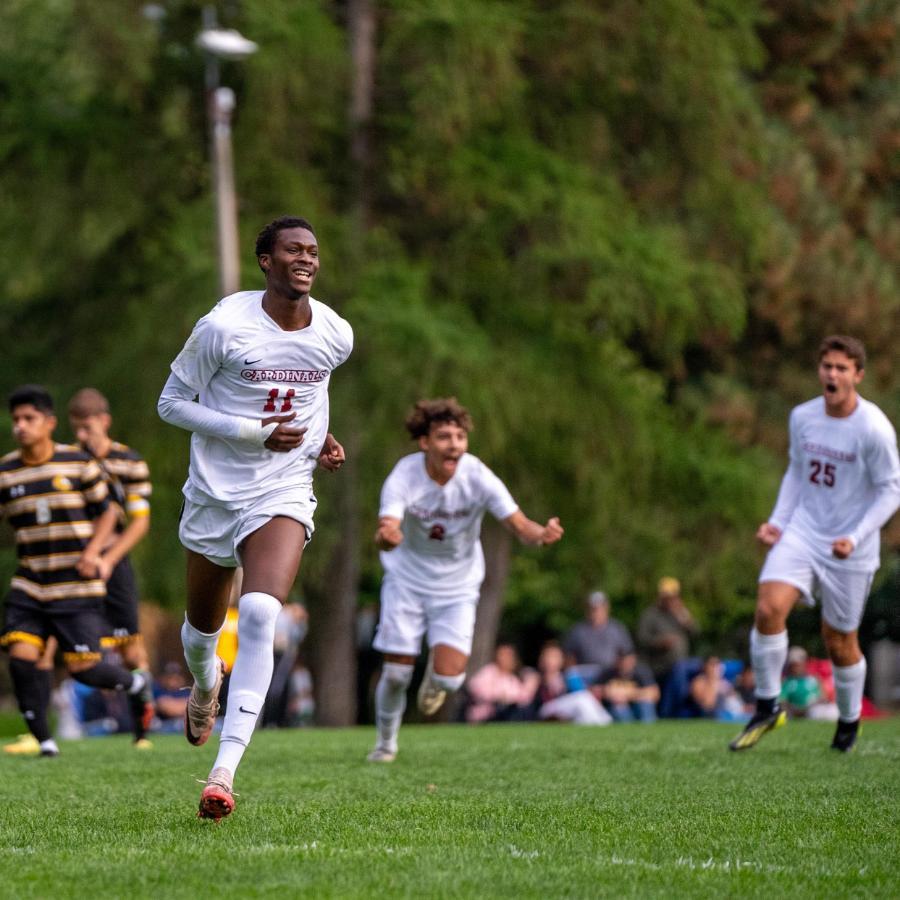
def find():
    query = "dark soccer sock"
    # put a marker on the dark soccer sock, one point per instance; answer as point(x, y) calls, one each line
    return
point(765, 706)
point(105, 675)
point(27, 682)
point(110, 677)
point(45, 676)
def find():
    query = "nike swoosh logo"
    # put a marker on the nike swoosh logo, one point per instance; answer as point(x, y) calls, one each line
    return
point(250, 362)
point(248, 711)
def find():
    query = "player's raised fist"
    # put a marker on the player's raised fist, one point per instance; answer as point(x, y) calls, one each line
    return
point(388, 534)
point(553, 531)
point(332, 455)
point(768, 534)
point(283, 438)
point(842, 548)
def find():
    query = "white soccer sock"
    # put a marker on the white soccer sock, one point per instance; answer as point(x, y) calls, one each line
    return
point(250, 677)
point(768, 654)
point(390, 702)
point(449, 683)
point(200, 655)
point(848, 690)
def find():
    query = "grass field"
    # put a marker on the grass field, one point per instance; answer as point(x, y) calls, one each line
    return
point(489, 811)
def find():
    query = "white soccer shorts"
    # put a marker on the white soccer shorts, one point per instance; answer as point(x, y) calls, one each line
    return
point(409, 614)
point(843, 592)
point(216, 532)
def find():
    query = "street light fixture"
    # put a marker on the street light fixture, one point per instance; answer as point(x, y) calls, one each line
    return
point(223, 43)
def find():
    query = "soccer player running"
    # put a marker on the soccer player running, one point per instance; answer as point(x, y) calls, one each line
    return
point(56, 500)
point(260, 362)
point(128, 480)
point(842, 484)
point(429, 527)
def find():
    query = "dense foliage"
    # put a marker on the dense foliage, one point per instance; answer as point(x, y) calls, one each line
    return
point(616, 231)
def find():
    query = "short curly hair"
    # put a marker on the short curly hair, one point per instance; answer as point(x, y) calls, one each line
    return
point(265, 240)
point(431, 412)
point(851, 346)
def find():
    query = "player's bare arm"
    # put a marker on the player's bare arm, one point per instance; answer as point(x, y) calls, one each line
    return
point(135, 531)
point(91, 564)
point(768, 534)
point(388, 535)
point(332, 455)
point(284, 438)
point(533, 533)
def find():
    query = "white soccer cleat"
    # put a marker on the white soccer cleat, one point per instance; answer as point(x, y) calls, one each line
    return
point(200, 715)
point(430, 697)
point(382, 755)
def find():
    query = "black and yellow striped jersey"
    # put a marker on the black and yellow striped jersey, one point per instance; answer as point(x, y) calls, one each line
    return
point(52, 507)
point(128, 476)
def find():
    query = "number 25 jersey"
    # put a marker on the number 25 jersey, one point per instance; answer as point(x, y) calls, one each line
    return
point(840, 463)
point(242, 363)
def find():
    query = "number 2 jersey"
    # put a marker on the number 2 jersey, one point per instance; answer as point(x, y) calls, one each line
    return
point(242, 363)
point(441, 550)
point(840, 468)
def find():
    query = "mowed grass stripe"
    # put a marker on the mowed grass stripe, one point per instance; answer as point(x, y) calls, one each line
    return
point(491, 811)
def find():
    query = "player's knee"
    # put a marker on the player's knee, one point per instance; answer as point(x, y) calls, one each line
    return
point(843, 647)
point(449, 683)
point(257, 613)
point(398, 676)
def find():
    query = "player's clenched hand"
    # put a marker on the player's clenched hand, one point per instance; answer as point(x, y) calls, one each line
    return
point(388, 534)
point(88, 565)
point(768, 534)
point(842, 548)
point(284, 438)
point(552, 532)
point(332, 455)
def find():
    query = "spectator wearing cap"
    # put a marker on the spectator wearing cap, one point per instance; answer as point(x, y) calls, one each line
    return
point(664, 636)
point(802, 691)
point(596, 643)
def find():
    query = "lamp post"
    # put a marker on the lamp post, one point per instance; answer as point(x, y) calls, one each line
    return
point(223, 43)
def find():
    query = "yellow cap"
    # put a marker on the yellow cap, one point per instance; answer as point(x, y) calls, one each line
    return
point(669, 585)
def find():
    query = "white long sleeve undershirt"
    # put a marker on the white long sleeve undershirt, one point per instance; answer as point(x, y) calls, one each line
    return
point(788, 496)
point(177, 407)
point(885, 504)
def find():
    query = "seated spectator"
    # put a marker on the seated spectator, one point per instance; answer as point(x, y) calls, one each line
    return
point(501, 691)
point(170, 695)
point(596, 643)
point(628, 690)
point(745, 686)
point(714, 695)
point(301, 704)
point(562, 695)
point(802, 692)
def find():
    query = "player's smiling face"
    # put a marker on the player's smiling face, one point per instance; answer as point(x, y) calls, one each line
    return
point(443, 446)
point(293, 264)
point(839, 377)
point(30, 427)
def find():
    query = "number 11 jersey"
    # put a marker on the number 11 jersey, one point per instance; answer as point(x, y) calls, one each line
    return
point(242, 363)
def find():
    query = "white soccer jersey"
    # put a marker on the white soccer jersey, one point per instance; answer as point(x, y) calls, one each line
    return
point(242, 363)
point(838, 467)
point(441, 549)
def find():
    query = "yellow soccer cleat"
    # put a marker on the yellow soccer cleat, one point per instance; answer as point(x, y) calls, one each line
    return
point(759, 725)
point(23, 745)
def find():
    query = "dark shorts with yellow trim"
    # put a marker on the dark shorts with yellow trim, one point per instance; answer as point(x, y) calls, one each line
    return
point(121, 606)
point(77, 624)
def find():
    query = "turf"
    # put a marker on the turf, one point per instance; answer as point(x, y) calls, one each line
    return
point(491, 811)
